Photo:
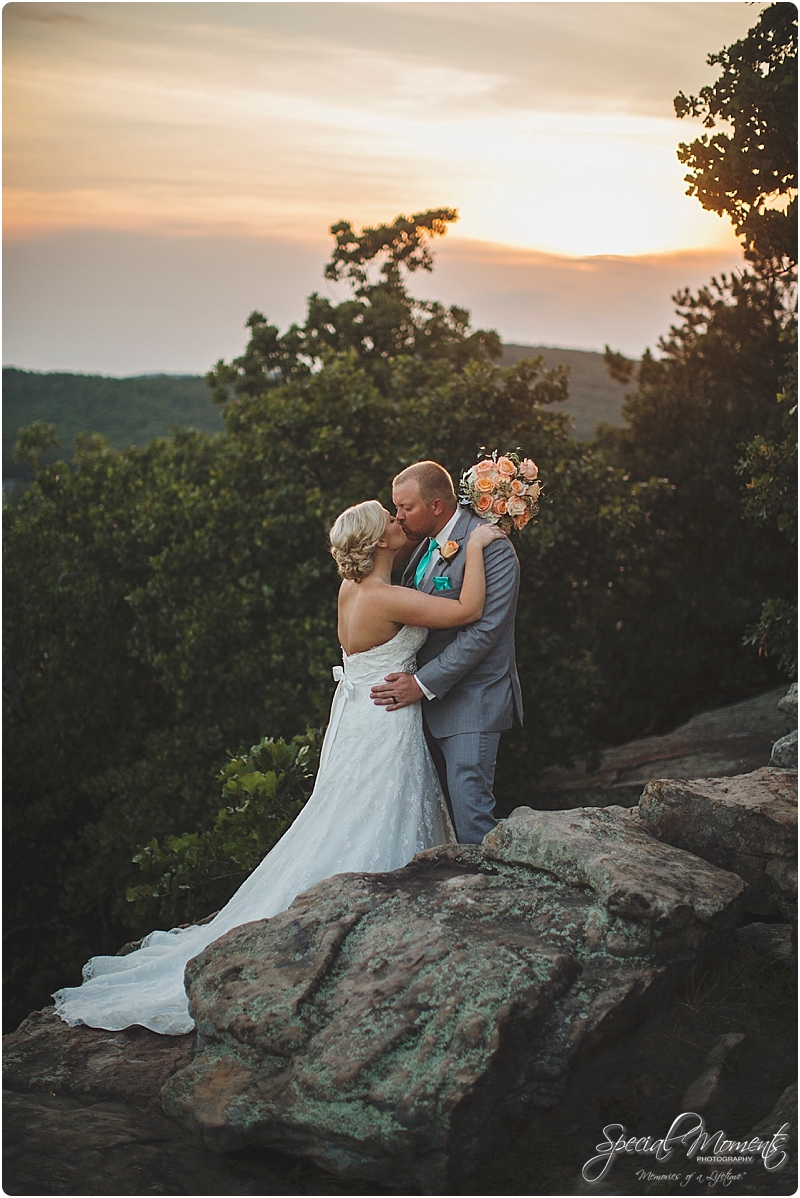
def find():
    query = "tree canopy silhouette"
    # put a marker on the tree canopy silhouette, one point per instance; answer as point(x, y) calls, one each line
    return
point(379, 322)
point(750, 173)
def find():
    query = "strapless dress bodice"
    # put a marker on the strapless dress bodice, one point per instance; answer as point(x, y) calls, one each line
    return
point(398, 655)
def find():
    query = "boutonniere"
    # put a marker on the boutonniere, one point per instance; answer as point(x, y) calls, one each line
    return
point(449, 550)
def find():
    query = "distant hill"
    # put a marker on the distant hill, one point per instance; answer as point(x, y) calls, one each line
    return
point(128, 411)
point(593, 394)
point(132, 411)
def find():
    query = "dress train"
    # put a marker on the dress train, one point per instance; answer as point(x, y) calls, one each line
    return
point(377, 802)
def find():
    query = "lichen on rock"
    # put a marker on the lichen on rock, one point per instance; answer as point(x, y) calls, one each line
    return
point(393, 1027)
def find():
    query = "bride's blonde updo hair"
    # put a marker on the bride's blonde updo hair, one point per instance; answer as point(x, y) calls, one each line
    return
point(353, 538)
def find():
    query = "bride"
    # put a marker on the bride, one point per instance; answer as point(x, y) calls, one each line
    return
point(377, 799)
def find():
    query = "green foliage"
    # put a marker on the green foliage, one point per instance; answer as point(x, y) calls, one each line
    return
point(750, 173)
point(265, 788)
point(771, 501)
point(620, 368)
point(33, 443)
point(87, 718)
point(136, 410)
point(404, 243)
point(712, 395)
point(711, 392)
point(129, 411)
point(771, 490)
point(775, 634)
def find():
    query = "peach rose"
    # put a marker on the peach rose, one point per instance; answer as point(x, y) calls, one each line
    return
point(506, 466)
point(485, 484)
point(499, 507)
point(529, 469)
point(483, 505)
point(516, 506)
point(534, 490)
point(484, 467)
point(518, 487)
point(521, 520)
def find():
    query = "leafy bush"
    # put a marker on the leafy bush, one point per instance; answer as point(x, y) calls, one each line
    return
point(267, 788)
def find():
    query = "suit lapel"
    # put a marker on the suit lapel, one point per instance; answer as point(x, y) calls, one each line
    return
point(441, 567)
point(413, 562)
point(460, 534)
point(462, 527)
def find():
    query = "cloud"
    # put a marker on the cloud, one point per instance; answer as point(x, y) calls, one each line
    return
point(127, 303)
point(571, 303)
point(44, 15)
point(547, 125)
point(629, 57)
point(567, 57)
point(171, 166)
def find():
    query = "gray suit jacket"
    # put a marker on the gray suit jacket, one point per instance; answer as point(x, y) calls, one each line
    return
point(472, 670)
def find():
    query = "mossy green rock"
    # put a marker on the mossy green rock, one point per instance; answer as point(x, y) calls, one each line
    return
point(393, 1026)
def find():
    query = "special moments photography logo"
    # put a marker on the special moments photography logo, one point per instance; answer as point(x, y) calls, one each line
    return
point(688, 1131)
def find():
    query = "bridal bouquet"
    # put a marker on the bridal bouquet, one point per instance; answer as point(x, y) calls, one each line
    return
point(502, 489)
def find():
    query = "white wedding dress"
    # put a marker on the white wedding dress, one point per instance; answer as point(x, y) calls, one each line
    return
point(377, 801)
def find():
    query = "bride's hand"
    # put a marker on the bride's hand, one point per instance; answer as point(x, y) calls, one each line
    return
point(484, 534)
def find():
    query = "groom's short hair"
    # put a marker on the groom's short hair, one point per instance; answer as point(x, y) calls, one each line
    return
point(432, 479)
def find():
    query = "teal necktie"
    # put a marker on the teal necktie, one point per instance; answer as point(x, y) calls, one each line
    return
point(422, 565)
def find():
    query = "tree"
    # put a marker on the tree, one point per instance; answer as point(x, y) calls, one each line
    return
point(81, 706)
point(33, 444)
point(379, 323)
point(710, 397)
point(771, 502)
point(172, 604)
point(750, 174)
point(693, 409)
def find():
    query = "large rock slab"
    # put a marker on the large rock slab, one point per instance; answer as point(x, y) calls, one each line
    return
point(394, 1027)
point(746, 824)
point(90, 1064)
point(57, 1145)
point(670, 901)
point(720, 743)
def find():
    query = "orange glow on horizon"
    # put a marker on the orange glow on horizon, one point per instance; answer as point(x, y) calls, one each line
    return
point(261, 120)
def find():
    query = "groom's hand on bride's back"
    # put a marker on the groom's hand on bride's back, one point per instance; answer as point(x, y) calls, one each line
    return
point(399, 690)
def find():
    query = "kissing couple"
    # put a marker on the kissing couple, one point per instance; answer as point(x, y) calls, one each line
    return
point(427, 684)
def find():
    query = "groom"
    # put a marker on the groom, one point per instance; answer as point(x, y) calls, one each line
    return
point(466, 677)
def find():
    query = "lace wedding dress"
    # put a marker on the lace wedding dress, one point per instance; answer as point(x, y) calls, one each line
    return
point(377, 801)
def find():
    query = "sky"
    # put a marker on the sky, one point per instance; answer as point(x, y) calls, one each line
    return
point(170, 167)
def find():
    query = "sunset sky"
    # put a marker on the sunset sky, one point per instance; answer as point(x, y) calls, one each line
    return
point(170, 167)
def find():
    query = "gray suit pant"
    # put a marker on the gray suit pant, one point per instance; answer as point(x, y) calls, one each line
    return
point(465, 764)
